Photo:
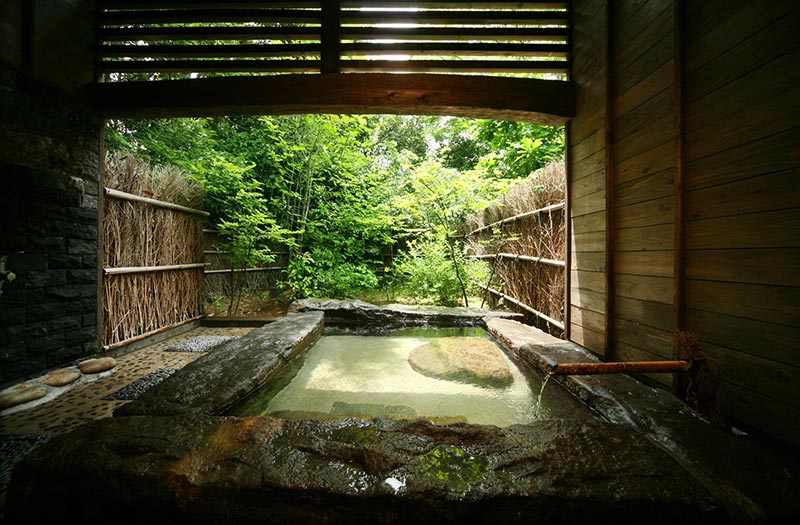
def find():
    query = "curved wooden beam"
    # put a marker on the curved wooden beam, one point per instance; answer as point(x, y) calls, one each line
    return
point(549, 102)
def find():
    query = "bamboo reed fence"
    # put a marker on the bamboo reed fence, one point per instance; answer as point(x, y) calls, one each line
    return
point(152, 249)
point(523, 238)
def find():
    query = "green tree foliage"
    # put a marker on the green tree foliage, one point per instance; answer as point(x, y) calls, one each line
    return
point(345, 193)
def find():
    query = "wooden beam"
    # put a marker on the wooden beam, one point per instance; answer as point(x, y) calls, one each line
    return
point(110, 192)
point(542, 101)
point(331, 25)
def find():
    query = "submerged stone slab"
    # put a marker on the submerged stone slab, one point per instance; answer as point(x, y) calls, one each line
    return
point(234, 370)
point(267, 470)
point(362, 316)
point(462, 359)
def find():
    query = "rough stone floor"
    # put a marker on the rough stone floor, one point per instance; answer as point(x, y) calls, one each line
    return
point(22, 431)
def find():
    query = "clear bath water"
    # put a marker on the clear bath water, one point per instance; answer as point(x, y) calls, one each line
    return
point(370, 376)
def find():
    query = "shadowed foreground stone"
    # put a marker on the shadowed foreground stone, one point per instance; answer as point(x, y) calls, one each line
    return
point(206, 469)
point(462, 359)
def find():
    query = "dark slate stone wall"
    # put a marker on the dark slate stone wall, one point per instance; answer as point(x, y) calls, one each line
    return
point(49, 181)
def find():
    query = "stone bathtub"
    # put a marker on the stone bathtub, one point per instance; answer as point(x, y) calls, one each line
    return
point(170, 457)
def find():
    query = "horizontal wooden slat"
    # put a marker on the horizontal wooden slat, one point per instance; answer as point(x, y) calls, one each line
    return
point(648, 213)
point(449, 18)
point(649, 313)
point(652, 263)
point(644, 287)
point(587, 338)
point(658, 342)
point(757, 194)
point(588, 318)
point(647, 188)
point(442, 49)
point(209, 51)
point(588, 299)
point(774, 229)
point(456, 66)
point(211, 66)
point(193, 16)
point(592, 281)
point(492, 34)
point(771, 341)
point(645, 238)
point(777, 266)
point(208, 33)
point(592, 222)
point(456, 4)
point(774, 304)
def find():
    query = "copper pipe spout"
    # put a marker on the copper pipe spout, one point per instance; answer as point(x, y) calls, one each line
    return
point(577, 369)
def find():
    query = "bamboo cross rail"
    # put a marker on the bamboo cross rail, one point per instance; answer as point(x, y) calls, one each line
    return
point(577, 369)
point(110, 192)
point(542, 260)
point(230, 270)
point(524, 306)
point(521, 216)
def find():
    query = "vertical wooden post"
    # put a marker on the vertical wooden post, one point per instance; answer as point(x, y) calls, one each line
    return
point(331, 23)
point(610, 201)
point(100, 318)
point(679, 105)
point(567, 196)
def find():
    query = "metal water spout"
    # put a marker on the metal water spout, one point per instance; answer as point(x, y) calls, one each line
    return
point(576, 369)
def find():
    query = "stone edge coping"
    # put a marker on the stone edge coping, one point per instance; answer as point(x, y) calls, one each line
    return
point(753, 482)
point(211, 384)
point(358, 312)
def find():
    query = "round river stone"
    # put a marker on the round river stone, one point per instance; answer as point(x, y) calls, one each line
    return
point(60, 378)
point(21, 393)
point(95, 366)
point(463, 360)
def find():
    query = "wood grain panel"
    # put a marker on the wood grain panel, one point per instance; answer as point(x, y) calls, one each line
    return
point(588, 299)
point(588, 338)
point(659, 105)
point(653, 340)
point(650, 187)
point(589, 242)
point(773, 153)
point(775, 380)
point(654, 134)
point(588, 185)
point(590, 203)
point(760, 411)
point(774, 229)
point(652, 263)
point(772, 83)
point(587, 318)
point(776, 266)
point(649, 213)
point(766, 340)
point(590, 261)
point(769, 192)
point(657, 55)
point(592, 281)
point(658, 237)
point(634, 39)
point(645, 288)
point(643, 90)
point(649, 313)
point(592, 222)
point(773, 304)
point(591, 144)
point(646, 163)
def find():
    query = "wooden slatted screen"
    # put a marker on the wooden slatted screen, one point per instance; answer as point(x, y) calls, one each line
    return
point(203, 38)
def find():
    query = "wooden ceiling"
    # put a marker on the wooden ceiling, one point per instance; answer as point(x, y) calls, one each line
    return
point(483, 42)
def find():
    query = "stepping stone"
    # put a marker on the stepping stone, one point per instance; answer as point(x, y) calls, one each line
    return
point(21, 393)
point(60, 378)
point(97, 365)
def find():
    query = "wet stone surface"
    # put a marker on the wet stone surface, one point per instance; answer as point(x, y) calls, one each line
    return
point(265, 469)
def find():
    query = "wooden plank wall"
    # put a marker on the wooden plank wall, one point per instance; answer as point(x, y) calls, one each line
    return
point(587, 178)
point(54, 41)
point(710, 94)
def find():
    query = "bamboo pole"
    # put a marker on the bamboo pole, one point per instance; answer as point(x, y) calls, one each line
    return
point(139, 337)
point(576, 369)
point(146, 269)
point(230, 270)
point(525, 307)
point(525, 215)
point(542, 260)
point(161, 204)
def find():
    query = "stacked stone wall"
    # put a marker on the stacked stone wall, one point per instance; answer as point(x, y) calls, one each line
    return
point(50, 164)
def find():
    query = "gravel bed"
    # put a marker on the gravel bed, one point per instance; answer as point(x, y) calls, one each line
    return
point(202, 343)
point(141, 385)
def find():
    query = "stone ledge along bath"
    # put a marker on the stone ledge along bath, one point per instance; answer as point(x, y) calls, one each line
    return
point(171, 458)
